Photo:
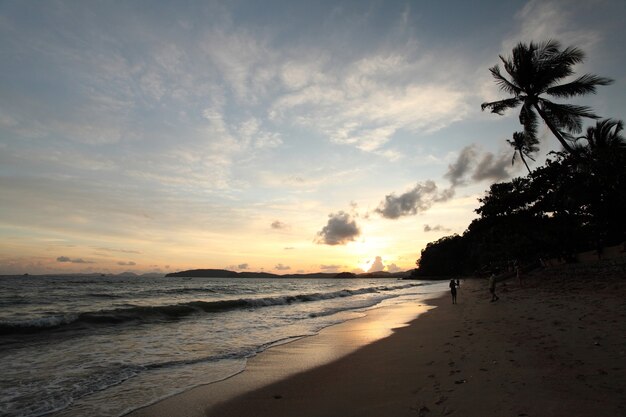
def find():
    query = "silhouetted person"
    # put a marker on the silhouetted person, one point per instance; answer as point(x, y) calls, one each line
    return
point(492, 287)
point(518, 272)
point(453, 291)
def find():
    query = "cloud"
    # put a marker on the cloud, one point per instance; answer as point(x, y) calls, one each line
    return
point(377, 265)
point(437, 228)
point(463, 164)
point(131, 263)
point(118, 250)
point(364, 104)
point(278, 225)
point(339, 230)
point(243, 266)
point(418, 199)
point(551, 19)
point(479, 166)
point(393, 268)
point(491, 167)
point(74, 261)
point(281, 267)
point(289, 248)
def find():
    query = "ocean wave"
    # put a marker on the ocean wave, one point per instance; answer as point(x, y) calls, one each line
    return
point(175, 311)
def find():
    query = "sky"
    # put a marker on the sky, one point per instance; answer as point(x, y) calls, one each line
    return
point(276, 136)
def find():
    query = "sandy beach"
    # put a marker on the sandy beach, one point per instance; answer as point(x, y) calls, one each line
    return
point(556, 347)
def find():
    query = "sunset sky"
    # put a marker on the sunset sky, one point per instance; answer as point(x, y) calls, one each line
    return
point(283, 136)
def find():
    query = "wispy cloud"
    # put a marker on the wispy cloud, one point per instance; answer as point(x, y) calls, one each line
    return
point(281, 267)
point(64, 259)
point(117, 250)
point(436, 228)
point(552, 19)
point(364, 105)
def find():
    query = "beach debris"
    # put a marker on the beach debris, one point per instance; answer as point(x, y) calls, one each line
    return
point(460, 381)
point(277, 397)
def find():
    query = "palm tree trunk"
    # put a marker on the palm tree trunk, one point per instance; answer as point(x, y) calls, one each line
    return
point(521, 154)
point(553, 129)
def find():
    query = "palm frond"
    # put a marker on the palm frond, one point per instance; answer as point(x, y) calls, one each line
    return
point(528, 118)
point(605, 135)
point(584, 84)
point(567, 117)
point(504, 84)
point(546, 48)
point(500, 106)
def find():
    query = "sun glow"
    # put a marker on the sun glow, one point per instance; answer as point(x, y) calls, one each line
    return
point(365, 264)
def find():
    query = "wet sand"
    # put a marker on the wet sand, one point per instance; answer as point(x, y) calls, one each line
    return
point(552, 348)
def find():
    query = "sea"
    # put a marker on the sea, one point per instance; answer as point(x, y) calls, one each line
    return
point(104, 346)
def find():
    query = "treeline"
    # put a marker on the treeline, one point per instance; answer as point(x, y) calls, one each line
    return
point(568, 206)
point(575, 202)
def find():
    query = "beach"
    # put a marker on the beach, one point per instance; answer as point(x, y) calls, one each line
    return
point(556, 347)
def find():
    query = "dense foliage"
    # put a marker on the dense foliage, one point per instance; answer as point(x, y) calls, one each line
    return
point(575, 202)
point(565, 207)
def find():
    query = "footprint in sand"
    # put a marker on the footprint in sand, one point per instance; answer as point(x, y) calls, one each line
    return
point(441, 400)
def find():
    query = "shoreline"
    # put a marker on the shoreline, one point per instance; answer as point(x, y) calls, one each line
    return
point(284, 360)
point(555, 347)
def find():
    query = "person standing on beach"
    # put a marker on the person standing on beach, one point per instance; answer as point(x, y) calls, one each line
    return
point(453, 290)
point(492, 287)
point(518, 272)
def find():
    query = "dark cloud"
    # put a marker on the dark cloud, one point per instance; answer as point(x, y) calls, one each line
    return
point(131, 263)
point(479, 166)
point(462, 166)
point(437, 228)
point(74, 261)
point(279, 225)
point(420, 198)
point(377, 265)
point(339, 230)
point(281, 267)
point(243, 266)
point(493, 168)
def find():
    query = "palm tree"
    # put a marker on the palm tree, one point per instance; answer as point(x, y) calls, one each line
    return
point(535, 70)
point(604, 137)
point(524, 145)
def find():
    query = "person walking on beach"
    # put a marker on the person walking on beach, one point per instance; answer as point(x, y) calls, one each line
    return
point(453, 290)
point(492, 287)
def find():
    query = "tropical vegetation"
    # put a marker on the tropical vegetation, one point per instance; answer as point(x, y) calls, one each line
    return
point(575, 202)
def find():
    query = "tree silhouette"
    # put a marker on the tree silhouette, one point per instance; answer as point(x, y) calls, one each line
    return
point(525, 146)
point(535, 70)
point(603, 139)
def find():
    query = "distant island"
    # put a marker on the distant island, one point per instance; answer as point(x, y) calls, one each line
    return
point(224, 273)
